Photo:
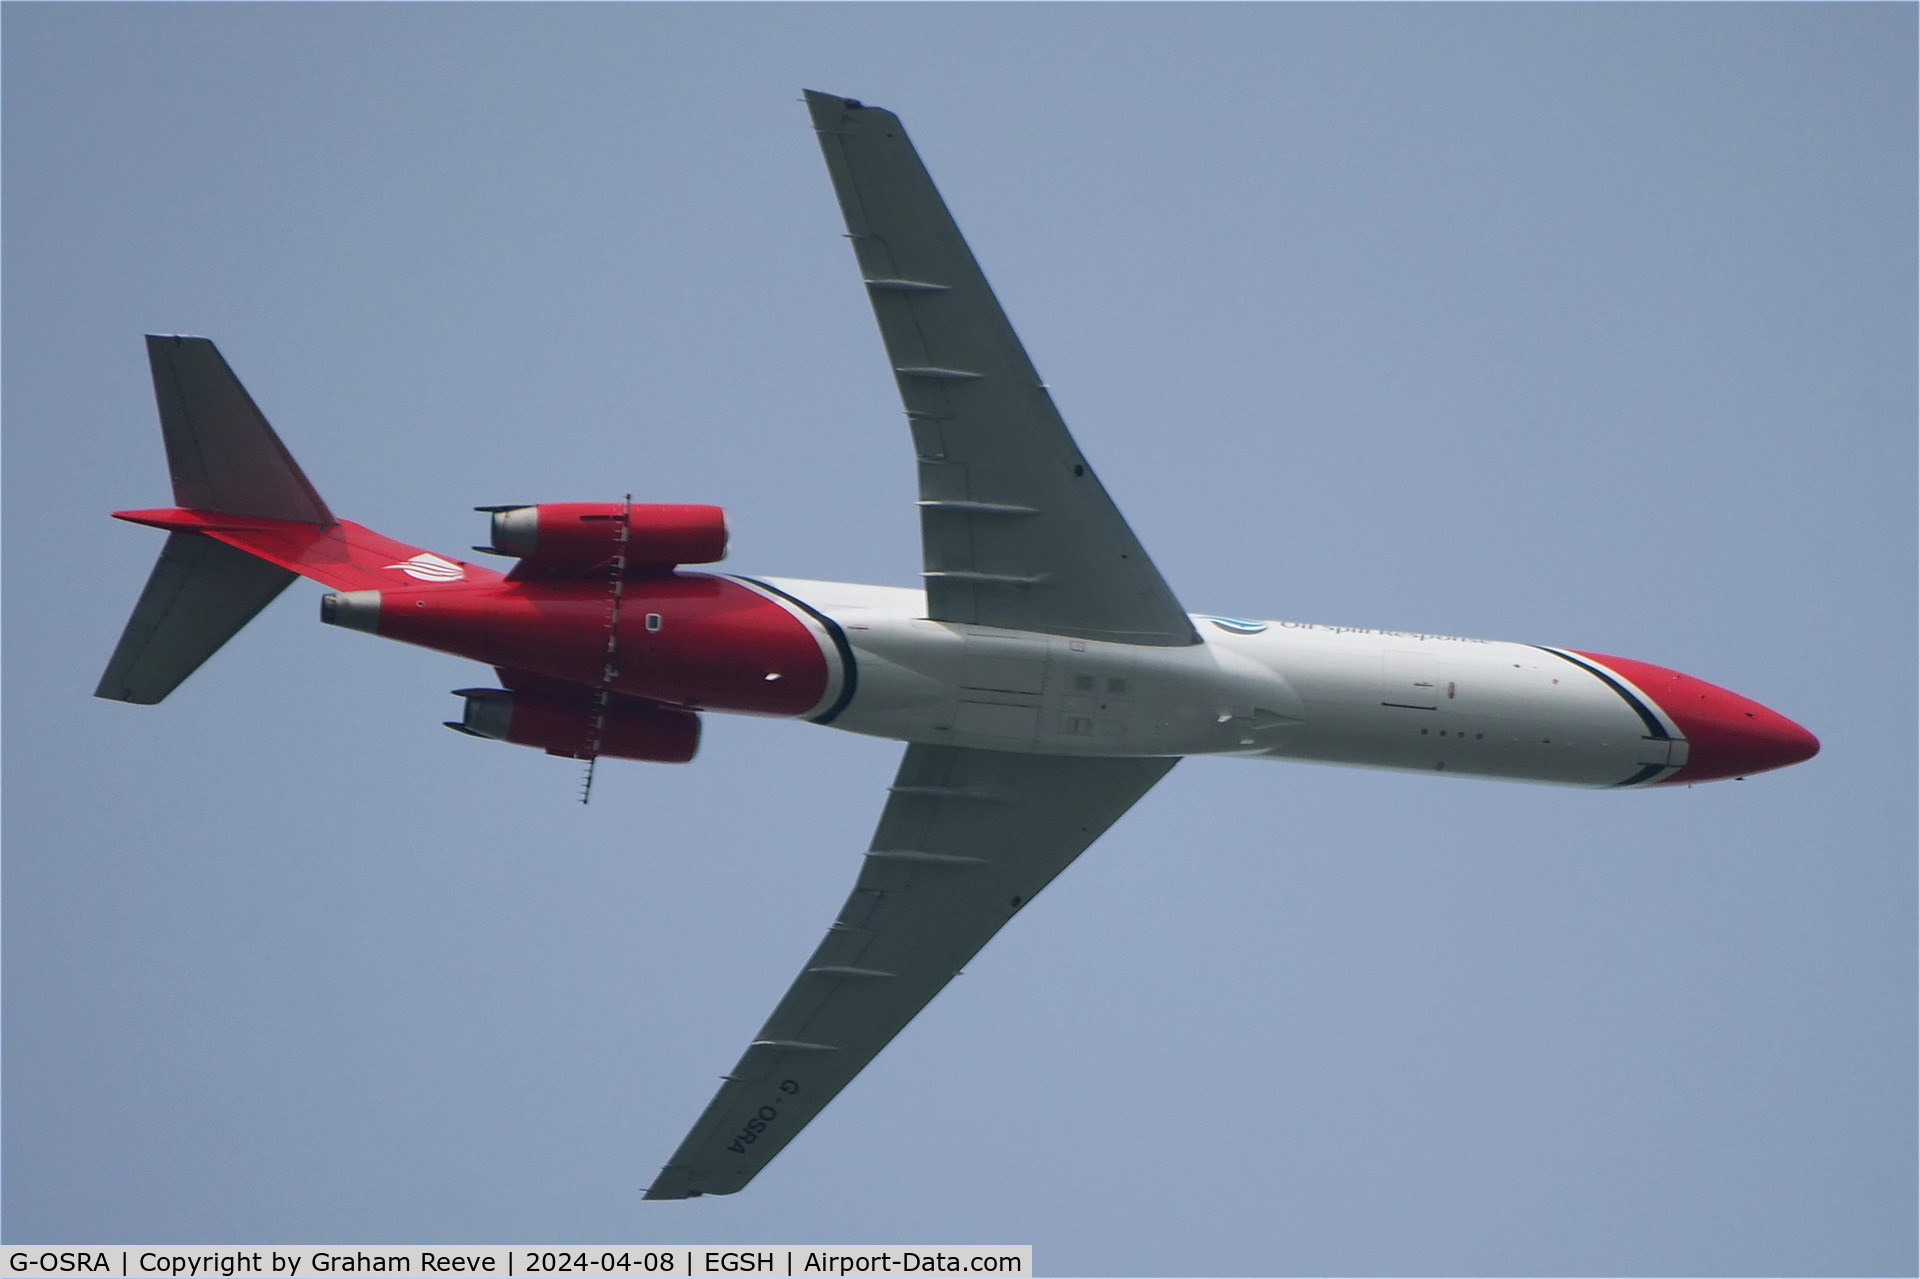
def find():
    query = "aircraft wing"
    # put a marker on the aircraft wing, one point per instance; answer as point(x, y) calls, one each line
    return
point(967, 838)
point(1015, 529)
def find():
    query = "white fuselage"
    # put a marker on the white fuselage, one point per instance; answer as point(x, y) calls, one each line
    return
point(1274, 690)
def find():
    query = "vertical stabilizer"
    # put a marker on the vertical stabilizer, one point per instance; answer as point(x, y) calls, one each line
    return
point(223, 455)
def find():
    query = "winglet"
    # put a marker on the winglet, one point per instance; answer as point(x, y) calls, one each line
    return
point(221, 452)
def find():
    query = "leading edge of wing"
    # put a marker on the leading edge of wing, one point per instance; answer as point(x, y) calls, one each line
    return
point(1016, 530)
point(968, 837)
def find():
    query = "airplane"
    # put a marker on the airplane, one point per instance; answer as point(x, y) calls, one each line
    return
point(1043, 677)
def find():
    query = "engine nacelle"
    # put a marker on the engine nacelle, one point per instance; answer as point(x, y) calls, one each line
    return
point(565, 726)
point(657, 535)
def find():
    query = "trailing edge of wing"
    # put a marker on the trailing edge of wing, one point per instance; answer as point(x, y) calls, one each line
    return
point(1016, 530)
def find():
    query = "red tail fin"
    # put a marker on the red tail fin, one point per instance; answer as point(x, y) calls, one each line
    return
point(239, 490)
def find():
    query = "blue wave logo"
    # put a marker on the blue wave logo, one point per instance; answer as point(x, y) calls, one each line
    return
point(1236, 625)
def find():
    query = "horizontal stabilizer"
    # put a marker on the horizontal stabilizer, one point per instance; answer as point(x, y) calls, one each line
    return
point(221, 452)
point(200, 593)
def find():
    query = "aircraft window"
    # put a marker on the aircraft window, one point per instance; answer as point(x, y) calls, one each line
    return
point(653, 621)
point(1116, 686)
point(1083, 683)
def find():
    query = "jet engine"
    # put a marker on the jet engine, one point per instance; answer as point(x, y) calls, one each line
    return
point(578, 727)
point(655, 535)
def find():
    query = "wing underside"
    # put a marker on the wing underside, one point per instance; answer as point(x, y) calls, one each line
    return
point(967, 838)
point(1016, 530)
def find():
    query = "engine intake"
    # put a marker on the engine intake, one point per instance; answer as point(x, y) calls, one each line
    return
point(658, 534)
point(565, 726)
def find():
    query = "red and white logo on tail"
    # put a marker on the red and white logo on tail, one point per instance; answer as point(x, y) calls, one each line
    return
point(429, 567)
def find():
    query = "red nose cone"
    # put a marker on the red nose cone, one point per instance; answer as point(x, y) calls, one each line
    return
point(1727, 735)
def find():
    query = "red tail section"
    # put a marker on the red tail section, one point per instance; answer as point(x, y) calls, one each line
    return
point(239, 490)
point(343, 555)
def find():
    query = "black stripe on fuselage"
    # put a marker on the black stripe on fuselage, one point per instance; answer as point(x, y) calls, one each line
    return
point(1655, 729)
point(850, 674)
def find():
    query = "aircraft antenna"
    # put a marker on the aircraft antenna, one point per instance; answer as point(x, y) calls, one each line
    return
point(610, 668)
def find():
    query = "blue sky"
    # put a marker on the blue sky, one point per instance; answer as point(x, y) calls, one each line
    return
point(1582, 325)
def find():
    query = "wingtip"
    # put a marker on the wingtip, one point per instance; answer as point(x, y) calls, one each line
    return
point(817, 99)
point(674, 1182)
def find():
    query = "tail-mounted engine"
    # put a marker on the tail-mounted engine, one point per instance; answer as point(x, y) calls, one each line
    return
point(581, 727)
point(651, 537)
